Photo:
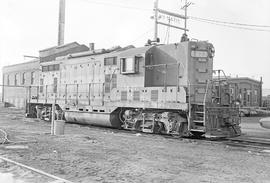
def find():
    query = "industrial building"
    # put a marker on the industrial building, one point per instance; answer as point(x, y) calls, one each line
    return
point(16, 78)
point(20, 80)
point(246, 91)
point(266, 101)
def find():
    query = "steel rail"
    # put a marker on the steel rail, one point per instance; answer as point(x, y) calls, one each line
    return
point(36, 170)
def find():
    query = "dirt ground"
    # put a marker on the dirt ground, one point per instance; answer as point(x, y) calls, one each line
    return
point(92, 154)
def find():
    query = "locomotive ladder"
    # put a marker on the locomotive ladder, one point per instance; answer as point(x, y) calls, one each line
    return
point(198, 117)
point(198, 113)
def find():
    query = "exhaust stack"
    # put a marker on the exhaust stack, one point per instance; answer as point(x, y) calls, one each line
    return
point(61, 22)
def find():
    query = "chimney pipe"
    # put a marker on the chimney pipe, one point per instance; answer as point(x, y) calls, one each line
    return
point(61, 22)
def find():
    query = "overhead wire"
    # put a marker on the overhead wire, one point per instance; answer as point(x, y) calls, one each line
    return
point(235, 25)
point(118, 5)
point(143, 34)
point(232, 23)
point(231, 26)
point(167, 34)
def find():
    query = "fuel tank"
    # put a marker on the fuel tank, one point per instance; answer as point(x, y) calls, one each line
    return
point(265, 122)
point(94, 118)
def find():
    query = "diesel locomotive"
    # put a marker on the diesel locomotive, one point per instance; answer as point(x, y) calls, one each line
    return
point(158, 88)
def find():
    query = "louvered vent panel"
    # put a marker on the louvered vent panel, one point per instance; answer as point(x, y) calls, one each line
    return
point(154, 95)
point(124, 95)
point(136, 95)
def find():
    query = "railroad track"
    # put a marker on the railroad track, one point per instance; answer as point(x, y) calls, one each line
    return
point(248, 142)
point(241, 141)
point(18, 172)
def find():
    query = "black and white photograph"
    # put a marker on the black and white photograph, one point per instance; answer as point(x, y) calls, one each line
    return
point(134, 91)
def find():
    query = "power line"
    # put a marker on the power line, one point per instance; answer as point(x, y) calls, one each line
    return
point(232, 23)
point(231, 26)
point(235, 25)
point(143, 34)
point(119, 5)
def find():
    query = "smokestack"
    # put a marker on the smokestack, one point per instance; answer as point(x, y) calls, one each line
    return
point(61, 23)
point(91, 46)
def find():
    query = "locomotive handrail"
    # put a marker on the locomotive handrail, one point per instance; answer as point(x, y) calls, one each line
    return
point(158, 65)
point(206, 91)
point(204, 102)
point(189, 108)
point(77, 92)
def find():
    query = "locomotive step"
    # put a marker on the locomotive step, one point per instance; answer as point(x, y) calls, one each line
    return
point(147, 130)
point(197, 130)
point(198, 121)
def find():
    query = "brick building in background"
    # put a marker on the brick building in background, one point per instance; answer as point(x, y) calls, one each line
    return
point(266, 101)
point(247, 91)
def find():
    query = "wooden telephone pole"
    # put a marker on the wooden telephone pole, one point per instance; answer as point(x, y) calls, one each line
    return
point(158, 11)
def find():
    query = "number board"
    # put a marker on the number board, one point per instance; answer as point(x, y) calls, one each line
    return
point(199, 54)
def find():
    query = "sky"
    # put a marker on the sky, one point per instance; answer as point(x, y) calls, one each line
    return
point(27, 26)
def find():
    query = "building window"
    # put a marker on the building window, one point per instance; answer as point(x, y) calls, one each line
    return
point(23, 78)
point(16, 80)
point(54, 67)
point(255, 96)
point(110, 61)
point(8, 82)
point(32, 77)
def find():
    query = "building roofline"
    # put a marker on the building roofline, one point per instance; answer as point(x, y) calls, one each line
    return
point(32, 61)
point(243, 78)
point(61, 46)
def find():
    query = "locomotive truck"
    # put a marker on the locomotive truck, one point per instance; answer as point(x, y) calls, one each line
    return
point(158, 88)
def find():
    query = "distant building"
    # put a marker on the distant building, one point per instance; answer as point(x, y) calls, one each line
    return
point(266, 101)
point(16, 78)
point(23, 80)
point(246, 91)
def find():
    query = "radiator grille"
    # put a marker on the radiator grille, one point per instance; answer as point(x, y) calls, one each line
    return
point(154, 95)
point(136, 95)
point(124, 95)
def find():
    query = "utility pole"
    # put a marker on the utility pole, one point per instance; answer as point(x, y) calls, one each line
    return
point(184, 36)
point(157, 12)
point(156, 20)
point(185, 16)
point(61, 22)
